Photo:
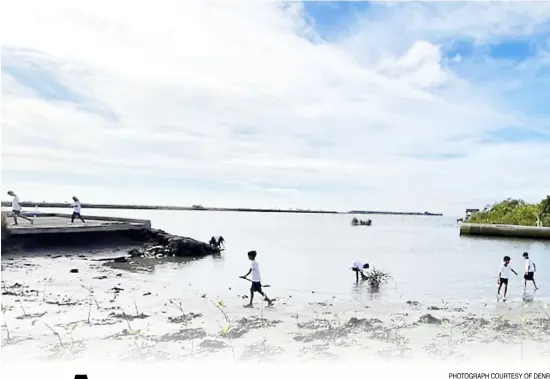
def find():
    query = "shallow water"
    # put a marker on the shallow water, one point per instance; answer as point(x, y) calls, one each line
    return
point(305, 259)
point(302, 253)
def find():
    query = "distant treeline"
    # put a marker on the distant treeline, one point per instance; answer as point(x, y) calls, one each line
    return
point(165, 207)
point(30, 204)
point(397, 213)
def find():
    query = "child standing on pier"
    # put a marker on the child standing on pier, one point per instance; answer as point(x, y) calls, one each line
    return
point(76, 210)
point(16, 208)
point(503, 276)
point(256, 280)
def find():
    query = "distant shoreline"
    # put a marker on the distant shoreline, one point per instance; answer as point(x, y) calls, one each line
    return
point(31, 204)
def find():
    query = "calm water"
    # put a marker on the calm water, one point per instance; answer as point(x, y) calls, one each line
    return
point(300, 253)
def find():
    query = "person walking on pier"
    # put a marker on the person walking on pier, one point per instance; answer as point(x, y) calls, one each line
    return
point(16, 209)
point(76, 210)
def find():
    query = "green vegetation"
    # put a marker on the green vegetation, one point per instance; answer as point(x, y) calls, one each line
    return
point(515, 212)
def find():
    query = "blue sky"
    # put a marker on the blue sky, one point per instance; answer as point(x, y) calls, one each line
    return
point(318, 104)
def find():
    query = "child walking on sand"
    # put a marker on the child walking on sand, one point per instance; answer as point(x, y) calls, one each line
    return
point(503, 276)
point(256, 280)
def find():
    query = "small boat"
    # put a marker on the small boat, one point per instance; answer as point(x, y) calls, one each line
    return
point(356, 222)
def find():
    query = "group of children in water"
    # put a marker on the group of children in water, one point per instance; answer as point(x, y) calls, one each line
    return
point(359, 267)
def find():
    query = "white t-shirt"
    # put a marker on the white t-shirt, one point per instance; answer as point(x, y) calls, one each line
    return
point(76, 207)
point(357, 264)
point(505, 271)
point(255, 272)
point(15, 206)
point(529, 265)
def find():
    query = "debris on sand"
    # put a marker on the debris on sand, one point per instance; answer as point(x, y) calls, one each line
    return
point(186, 317)
point(125, 316)
point(74, 271)
point(212, 345)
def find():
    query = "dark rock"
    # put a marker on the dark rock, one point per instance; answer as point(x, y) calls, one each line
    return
point(101, 277)
point(120, 260)
point(414, 303)
point(178, 246)
point(74, 271)
point(146, 293)
point(429, 319)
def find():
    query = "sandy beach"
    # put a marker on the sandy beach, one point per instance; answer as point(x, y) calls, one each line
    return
point(115, 312)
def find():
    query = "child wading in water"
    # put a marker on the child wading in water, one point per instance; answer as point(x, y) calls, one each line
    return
point(530, 269)
point(256, 280)
point(503, 276)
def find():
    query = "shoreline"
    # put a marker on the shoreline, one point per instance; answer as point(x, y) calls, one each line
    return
point(120, 311)
point(30, 204)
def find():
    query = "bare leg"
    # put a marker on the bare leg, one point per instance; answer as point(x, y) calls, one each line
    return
point(535, 284)
point(505, 289)
point(15, 219)
point(251, 298)
point(357, 276)
point(26, 218)
point(499, 287)
point(269, 301)
point(81, 218)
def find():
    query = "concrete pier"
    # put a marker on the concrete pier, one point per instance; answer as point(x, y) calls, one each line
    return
point(57, 223)
point(510, 231)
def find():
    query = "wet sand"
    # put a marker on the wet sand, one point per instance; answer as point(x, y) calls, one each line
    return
point(119, 312)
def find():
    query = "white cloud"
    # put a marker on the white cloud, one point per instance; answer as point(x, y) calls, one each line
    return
point(236, 93)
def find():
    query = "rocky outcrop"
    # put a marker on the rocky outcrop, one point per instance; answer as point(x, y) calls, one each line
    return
point(160, 243)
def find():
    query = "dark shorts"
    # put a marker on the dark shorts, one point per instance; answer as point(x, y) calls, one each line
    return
point(256, 287)
point(17, 213)
point(355, 269)
point(529, 276)
point(503, 281)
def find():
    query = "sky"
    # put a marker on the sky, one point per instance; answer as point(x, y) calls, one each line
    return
point(404, 106)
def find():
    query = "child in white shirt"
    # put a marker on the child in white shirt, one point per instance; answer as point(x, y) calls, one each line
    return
point(530, 269)
point(504, 275)
point(76, 210)
point(256, 280)
point(358, 267)
point(16, 209)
